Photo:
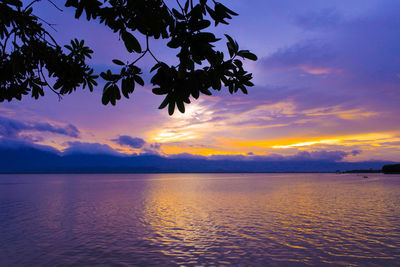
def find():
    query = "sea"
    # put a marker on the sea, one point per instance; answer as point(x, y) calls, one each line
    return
point(200, 219)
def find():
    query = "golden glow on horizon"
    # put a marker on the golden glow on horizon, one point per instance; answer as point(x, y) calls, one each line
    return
point(371, 138)
point(261, 147)
point(310, 143)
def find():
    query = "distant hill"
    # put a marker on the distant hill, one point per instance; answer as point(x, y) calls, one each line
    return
point(34, 160)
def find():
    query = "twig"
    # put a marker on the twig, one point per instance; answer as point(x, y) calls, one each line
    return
point(154, 56)
point(148, 48)
point(13, 31)
point(169, 10)
point(51, 2)
point(34, 1)
point(142, 55)
point(183, 11)
point(48, 85)
point(48, 23)
point(51, 37)
point(145, 52)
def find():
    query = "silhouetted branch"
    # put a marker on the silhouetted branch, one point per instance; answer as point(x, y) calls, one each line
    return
point(51, 88)
point(183, 11)
point(51, 2)
point(145, 52)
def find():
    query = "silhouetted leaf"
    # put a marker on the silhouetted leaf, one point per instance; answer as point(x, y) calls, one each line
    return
point(181, 106)
point(131, 43)
point(118, 62)
point(171, 107)
point(247, 54)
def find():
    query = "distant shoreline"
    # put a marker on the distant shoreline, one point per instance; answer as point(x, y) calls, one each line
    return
point(166, 172)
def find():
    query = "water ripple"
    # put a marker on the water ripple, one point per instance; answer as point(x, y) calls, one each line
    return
point(199, 219)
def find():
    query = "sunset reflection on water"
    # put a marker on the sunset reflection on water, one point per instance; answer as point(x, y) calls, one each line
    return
point(200, 219)
point(291, 218)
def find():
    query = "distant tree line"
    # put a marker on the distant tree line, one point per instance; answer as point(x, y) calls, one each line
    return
point(391, 169)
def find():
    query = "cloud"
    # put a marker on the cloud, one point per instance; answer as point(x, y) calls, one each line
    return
point(10, 143)
point(89, 148)
point(326, 18)
point(186, 156)
point(133, 142)
point(331, 156)
point(322, 155)
point(359, 50)
point(12, 128)
point(151, 149)
point(311, 56)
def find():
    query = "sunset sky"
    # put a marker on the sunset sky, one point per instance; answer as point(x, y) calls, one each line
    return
point(327, 81)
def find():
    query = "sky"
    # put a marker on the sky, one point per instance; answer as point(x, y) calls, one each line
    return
point(326, 83)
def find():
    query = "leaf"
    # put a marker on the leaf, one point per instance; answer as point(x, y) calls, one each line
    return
point(181, 106)
point(230, 40)
point(131, 43)
point(156, 66)
point(186, 6)
point(178, 15)
point(104, 76)
point(244, 90)
point(238, 63)
point(164, 103)
point(79, 11)
point(247, 54)
point(227, 10)
point(139, 80)
point(174, 43)
point(13, 3)
point(195, 94)
point(206, 91)
point(118, 62)
point(159, 91)
point(127, 87)
point(171, 107)
point(200, 25)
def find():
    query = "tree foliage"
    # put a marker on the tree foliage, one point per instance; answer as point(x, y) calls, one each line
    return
point(29, 53)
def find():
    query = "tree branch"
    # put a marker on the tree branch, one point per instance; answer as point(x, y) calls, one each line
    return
point(28, 6)
point(145, 52)
point(183, 11)
point(51, 2)
point(52, 89)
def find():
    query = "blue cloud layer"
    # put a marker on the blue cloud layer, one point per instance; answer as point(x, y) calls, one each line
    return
point(12, 128)
point(133, 142)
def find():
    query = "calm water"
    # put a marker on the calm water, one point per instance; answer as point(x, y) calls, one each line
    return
point(199, 219)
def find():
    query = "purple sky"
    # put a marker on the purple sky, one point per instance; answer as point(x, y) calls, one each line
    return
point(327, 81)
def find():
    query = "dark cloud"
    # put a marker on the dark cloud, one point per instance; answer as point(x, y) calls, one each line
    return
point(155, 146)
point(331, 156)
point(89, 148)
point(323, 155)
point(12, 128)
point(11, 143)
point(186, 156)
point(133, 142)
point(151, 149)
